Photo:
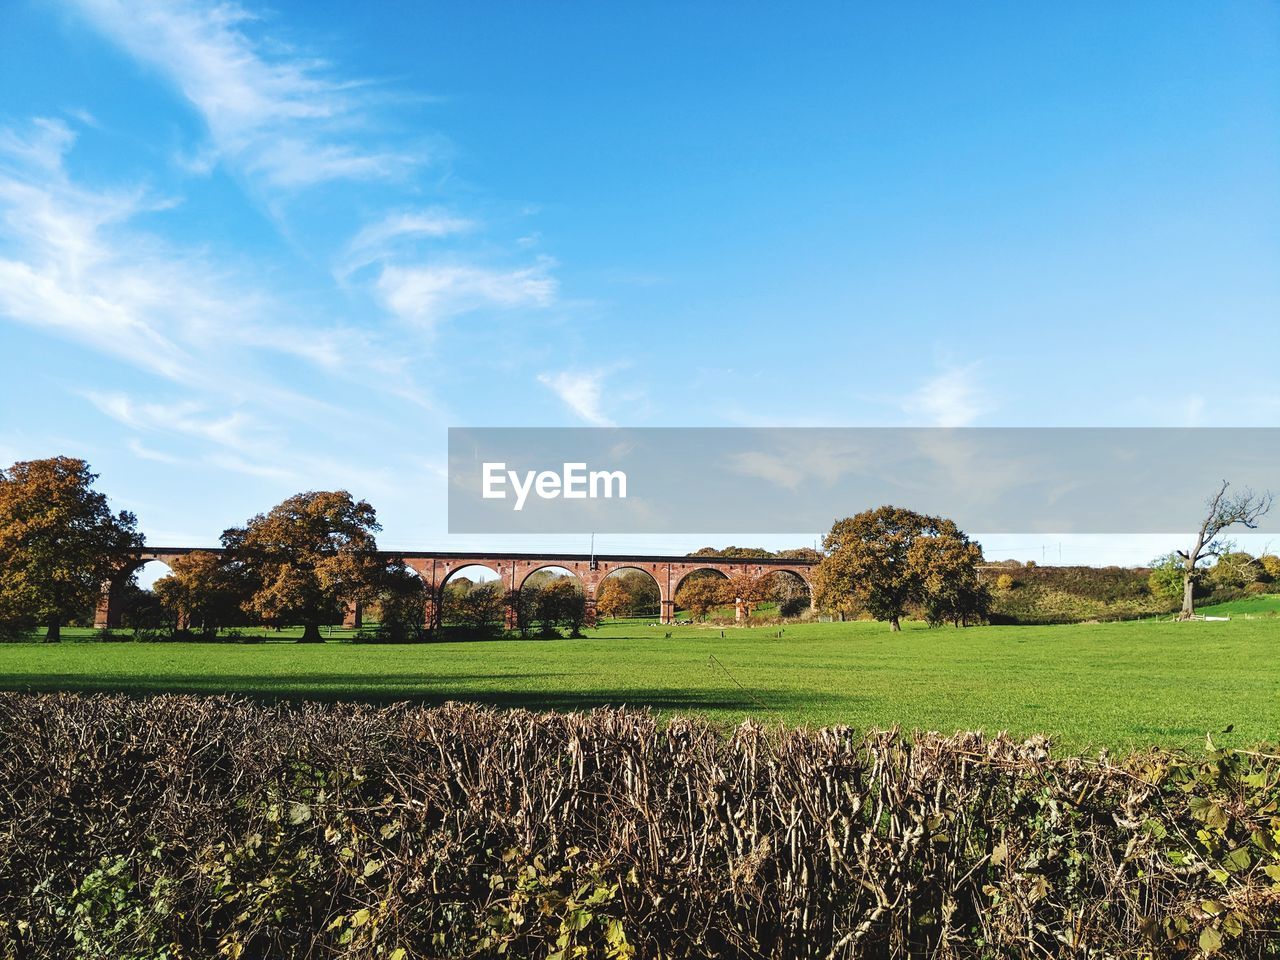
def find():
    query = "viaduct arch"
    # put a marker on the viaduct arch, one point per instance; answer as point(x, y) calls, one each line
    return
point(513, 569)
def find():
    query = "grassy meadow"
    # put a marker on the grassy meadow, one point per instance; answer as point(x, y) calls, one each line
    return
point(1114, 685)
point(1248, 608)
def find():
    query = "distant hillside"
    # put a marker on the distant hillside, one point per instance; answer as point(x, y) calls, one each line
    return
point(1072, 594)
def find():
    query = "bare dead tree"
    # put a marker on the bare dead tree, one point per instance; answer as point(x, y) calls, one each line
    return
point(1225, 510)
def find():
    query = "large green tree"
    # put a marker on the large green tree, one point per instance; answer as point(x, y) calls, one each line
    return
point(562, 604)
point(550, 600)
point(481, 609)
point(1167, 575)
point(59, 541)
point(401, 603)
point(307, 558)
point(882, 561)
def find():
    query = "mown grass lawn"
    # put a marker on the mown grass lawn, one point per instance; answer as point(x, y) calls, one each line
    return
point(1118, 685)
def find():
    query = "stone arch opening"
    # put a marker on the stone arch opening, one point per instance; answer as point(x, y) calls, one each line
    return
point(702, 593)
point(146, 573)
point(629, 593)
point(548, 598)
point(401, 609)
point(547, 572)
point(128, 598)
point(136, 606)
point(471, 574)
point(471, 601)
point(791, 592)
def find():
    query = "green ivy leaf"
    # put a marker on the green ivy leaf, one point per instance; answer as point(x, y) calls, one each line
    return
point(1237, 860)
point(1210, 940)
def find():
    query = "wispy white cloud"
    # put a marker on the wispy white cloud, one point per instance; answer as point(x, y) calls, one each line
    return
point(58, 273)
point(378, 241)
point(277, 114)
point(263, 469)
point(581, 392)
point(41, 147)
point(284, 120)
point(953, 398)
point(73, 263)
point(428, 294)
point(91, 263)
point(191, 419)
point(240, 441)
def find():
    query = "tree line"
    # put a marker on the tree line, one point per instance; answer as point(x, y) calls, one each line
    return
point(300, 563)
point(303, 562)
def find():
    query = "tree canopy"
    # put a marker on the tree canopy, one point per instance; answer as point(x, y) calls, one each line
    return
point(613, 599)
point(882, 561)
point(205, 591)
point(749, 587)
point(307, 558)
point(700, 595)
point(549, 602)
point(59, 541)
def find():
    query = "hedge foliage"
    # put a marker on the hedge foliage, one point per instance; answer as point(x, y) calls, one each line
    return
point(1073, 594)
point(185, 827)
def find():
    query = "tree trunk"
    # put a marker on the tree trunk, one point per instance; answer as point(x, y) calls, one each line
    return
point(1190, 559)
point(1188, 595)
point(894, 625)
point(311, 634)
point(54, 634)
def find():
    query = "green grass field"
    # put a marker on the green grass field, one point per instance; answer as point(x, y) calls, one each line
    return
point(1267, 605)
point(1118, 685)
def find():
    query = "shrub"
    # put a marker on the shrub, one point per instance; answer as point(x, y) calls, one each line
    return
point(1270, 565)
point(16, 630)
point(1234, 570)
point(1167, 575)
point(186, 827)
point(1075, 594)
point(793, 607)
point(1004, 582)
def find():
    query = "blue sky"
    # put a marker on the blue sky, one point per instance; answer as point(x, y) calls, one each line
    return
point(247, 250)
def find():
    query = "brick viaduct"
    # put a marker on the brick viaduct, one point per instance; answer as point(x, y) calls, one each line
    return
point(512, 570)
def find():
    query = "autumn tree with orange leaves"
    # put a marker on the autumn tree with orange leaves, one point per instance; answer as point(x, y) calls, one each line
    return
point(307, 558)
point(885, 560)
point(59, 541)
